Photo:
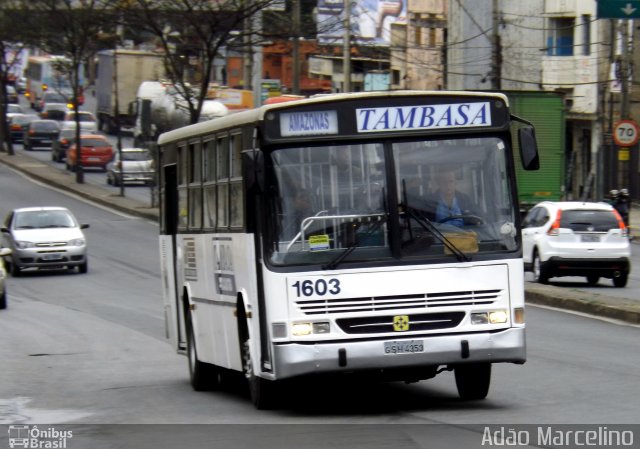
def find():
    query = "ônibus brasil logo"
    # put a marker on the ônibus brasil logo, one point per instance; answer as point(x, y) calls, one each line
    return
point(32, 437)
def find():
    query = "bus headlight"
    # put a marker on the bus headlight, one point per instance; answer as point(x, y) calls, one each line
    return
point(301, 329)
point(492, 317)
point(321, 328)
point(498, 316)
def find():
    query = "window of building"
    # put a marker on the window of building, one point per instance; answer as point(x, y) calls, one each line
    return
point(586, 35)
point(433, 37)
point(560, 38)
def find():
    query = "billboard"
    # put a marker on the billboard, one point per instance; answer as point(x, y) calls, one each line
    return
point(370, 20)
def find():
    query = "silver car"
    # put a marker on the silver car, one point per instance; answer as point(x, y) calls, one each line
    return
point(44, 237)
point(136, 166)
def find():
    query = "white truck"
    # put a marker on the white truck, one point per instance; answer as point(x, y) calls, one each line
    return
point(121, 72)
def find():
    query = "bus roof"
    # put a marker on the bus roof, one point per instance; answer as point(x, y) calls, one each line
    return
point(257, 114)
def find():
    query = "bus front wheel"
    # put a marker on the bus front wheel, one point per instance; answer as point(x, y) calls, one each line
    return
point(204, 376)
point(473, 380)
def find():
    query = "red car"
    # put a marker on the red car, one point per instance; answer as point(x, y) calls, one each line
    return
point(95, 151)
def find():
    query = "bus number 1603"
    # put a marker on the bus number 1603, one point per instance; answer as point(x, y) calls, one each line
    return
point(319, 288)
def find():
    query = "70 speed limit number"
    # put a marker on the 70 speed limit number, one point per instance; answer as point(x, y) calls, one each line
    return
point(625, 133)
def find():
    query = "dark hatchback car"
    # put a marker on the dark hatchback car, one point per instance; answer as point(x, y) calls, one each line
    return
point(18, 123)
point(41, 134)
point(59, 149)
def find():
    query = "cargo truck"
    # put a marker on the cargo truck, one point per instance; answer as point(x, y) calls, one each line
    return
point(546, 111)
point(133, 67)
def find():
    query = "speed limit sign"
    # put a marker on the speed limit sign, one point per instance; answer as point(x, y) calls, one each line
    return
point(625, 133)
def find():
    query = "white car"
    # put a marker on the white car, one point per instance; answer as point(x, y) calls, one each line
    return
point(44, 237)
point(136, 166)
point(88, 121)
point(573, 238)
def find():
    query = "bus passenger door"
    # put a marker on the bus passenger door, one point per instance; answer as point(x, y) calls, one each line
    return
point(174, 312)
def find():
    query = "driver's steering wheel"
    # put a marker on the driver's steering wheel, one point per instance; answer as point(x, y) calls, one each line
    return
point(468, 219)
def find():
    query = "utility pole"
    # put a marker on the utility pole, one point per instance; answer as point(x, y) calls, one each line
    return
point(296, 47)
point(247, 54)
point(116, 106)
point(346, 57)
point(496, 50)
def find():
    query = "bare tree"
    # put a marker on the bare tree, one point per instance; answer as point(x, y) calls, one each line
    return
point(75, 29)
point(191, 34)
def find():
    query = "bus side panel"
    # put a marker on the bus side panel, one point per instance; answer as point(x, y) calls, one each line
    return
point(242, 267)
point(207, 306)
point(214, 269)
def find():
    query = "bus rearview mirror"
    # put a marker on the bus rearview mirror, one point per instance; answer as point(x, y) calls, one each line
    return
point(528, 148)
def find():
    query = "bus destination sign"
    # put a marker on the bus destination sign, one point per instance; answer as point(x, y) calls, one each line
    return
point(312, 123)
point(439, 116)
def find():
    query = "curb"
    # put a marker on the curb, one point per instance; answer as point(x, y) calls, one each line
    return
point(585, 302)
point(63, 181)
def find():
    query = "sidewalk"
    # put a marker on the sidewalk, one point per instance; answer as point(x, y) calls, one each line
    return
point(64, 180)
point(561, 297)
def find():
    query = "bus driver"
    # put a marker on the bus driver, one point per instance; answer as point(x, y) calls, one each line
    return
point(448, 202)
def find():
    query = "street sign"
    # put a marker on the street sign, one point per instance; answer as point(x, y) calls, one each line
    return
point(625, 133)
point(618, 9)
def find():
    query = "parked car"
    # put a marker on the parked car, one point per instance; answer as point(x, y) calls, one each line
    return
point(4, 252)
point(62, 143)
point(44, 237)
point(12, 94)
point(136, 165)
point(54, 111)
point(40, 134)
point(18, 124)
point(95, 151)
point(88, 122)
point(576, 239)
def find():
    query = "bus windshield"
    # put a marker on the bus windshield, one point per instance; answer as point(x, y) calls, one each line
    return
point(448, 198)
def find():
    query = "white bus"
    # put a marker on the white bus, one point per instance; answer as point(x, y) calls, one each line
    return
point(317, 236)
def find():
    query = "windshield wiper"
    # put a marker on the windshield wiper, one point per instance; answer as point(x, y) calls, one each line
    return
point(344, 254)
point(430, 227)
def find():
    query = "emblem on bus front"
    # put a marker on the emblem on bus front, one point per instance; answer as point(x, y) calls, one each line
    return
point(401, 323)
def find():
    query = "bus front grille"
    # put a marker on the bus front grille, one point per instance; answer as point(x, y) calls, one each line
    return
point(378, 303)
point(389, 323)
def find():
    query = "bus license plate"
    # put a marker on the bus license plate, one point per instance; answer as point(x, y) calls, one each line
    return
point(403, 347)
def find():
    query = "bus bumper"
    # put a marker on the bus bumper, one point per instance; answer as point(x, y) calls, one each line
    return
point(295, 359)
